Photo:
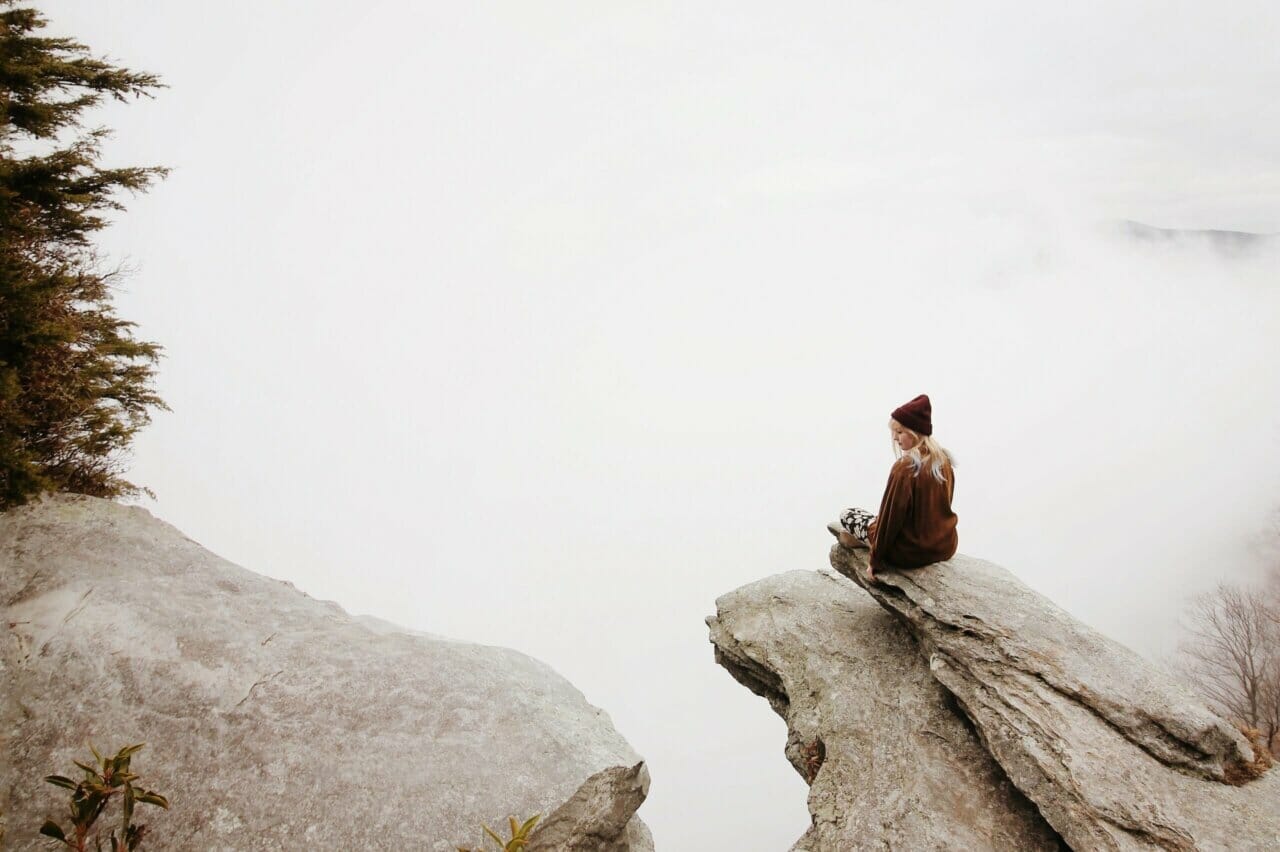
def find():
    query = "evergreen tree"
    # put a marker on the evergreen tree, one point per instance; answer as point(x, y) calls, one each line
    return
point(75, 385)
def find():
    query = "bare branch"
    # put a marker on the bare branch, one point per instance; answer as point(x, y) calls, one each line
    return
point(1232, 652)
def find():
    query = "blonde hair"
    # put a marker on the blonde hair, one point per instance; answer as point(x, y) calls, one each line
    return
point(925, 451)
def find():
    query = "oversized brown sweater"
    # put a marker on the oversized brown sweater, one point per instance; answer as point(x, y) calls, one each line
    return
point(916, 525)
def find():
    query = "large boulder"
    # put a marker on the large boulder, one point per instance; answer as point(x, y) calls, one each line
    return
point(890, 761)
point(1115, 752)
point(273, 720)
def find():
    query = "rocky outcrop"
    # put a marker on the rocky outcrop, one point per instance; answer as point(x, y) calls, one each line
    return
point(272, 720)
point(1114, 751)
point(890, 762)
point(598, 817)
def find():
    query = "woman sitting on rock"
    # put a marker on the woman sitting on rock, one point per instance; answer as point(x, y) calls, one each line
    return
point(915, 526)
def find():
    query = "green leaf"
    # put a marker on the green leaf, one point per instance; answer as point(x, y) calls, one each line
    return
point(95, 790)
point(120, 763)
point(92, 771)
point(151, 798)
point(60, 781)
point(494, 835)
point(529, 824)
point(51, 829)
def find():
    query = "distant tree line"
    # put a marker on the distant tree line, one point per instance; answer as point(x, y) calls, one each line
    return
point(75, 384)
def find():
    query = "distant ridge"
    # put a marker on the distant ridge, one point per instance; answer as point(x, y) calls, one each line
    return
point(1231, 242)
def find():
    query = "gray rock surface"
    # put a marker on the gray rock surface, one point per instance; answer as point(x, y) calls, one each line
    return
point(273, 721)
point(1115, 752)
point(890, 763)
point(598, 817)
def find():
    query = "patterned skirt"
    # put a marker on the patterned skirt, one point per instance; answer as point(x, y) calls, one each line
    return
point(856, 521)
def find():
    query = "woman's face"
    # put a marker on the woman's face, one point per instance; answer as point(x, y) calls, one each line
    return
point(903, 437)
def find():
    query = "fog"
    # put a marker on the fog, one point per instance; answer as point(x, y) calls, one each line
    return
point(545, 326)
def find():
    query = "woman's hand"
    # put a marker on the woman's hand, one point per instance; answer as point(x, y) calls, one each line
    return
point(871, 573)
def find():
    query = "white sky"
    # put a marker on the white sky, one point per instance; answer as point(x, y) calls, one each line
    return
point(542, 325)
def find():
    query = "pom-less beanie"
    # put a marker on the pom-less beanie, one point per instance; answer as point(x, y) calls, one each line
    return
point(916, 415)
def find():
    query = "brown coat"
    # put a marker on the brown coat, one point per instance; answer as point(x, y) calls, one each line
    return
point(915, 526)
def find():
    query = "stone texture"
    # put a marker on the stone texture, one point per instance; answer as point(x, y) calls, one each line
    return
point(598, 817)
point(1115, 751)
point(890, 762)
point(272, 720)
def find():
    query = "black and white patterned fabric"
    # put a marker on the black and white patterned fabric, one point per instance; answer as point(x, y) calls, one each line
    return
point(856, 521)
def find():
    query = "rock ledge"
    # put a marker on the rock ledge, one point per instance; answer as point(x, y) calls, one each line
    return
point(1115, 752)
point(272, 720)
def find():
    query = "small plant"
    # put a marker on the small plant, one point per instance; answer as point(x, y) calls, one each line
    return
point(519, 836)
point(107, 778)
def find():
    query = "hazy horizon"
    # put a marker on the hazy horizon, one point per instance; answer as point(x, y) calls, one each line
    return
point(545, 326)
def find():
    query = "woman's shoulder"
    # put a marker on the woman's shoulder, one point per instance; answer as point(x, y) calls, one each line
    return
point(907, 467)
point(903, 467)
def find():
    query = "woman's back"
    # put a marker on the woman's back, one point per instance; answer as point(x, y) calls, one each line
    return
point(916, 525)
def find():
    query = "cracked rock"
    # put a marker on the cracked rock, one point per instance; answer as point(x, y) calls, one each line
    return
point(1114, 750)
point(272, 720)
point(890, 761)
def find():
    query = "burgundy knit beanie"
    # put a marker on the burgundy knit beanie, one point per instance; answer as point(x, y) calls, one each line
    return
point(916, 415)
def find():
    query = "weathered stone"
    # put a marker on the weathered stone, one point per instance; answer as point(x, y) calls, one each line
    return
point(272, 720)
point(598, 816)
point(890, 762)
point(1114, 750)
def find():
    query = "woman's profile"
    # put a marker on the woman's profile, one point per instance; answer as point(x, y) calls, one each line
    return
point(915, 525)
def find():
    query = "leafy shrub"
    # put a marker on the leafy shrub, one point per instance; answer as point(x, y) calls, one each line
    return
point(105, 779)
point(519, 836)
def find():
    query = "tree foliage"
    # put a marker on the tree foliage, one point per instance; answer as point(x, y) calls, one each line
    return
point(75, 385)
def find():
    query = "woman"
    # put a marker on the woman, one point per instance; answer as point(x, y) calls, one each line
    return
point(915, 526)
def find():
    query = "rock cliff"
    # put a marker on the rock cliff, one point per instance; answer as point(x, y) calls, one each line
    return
point(890, 762)
point(273, 720)
point(1044, 726)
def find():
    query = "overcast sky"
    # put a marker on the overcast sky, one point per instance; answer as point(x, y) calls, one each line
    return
point(543, 325)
